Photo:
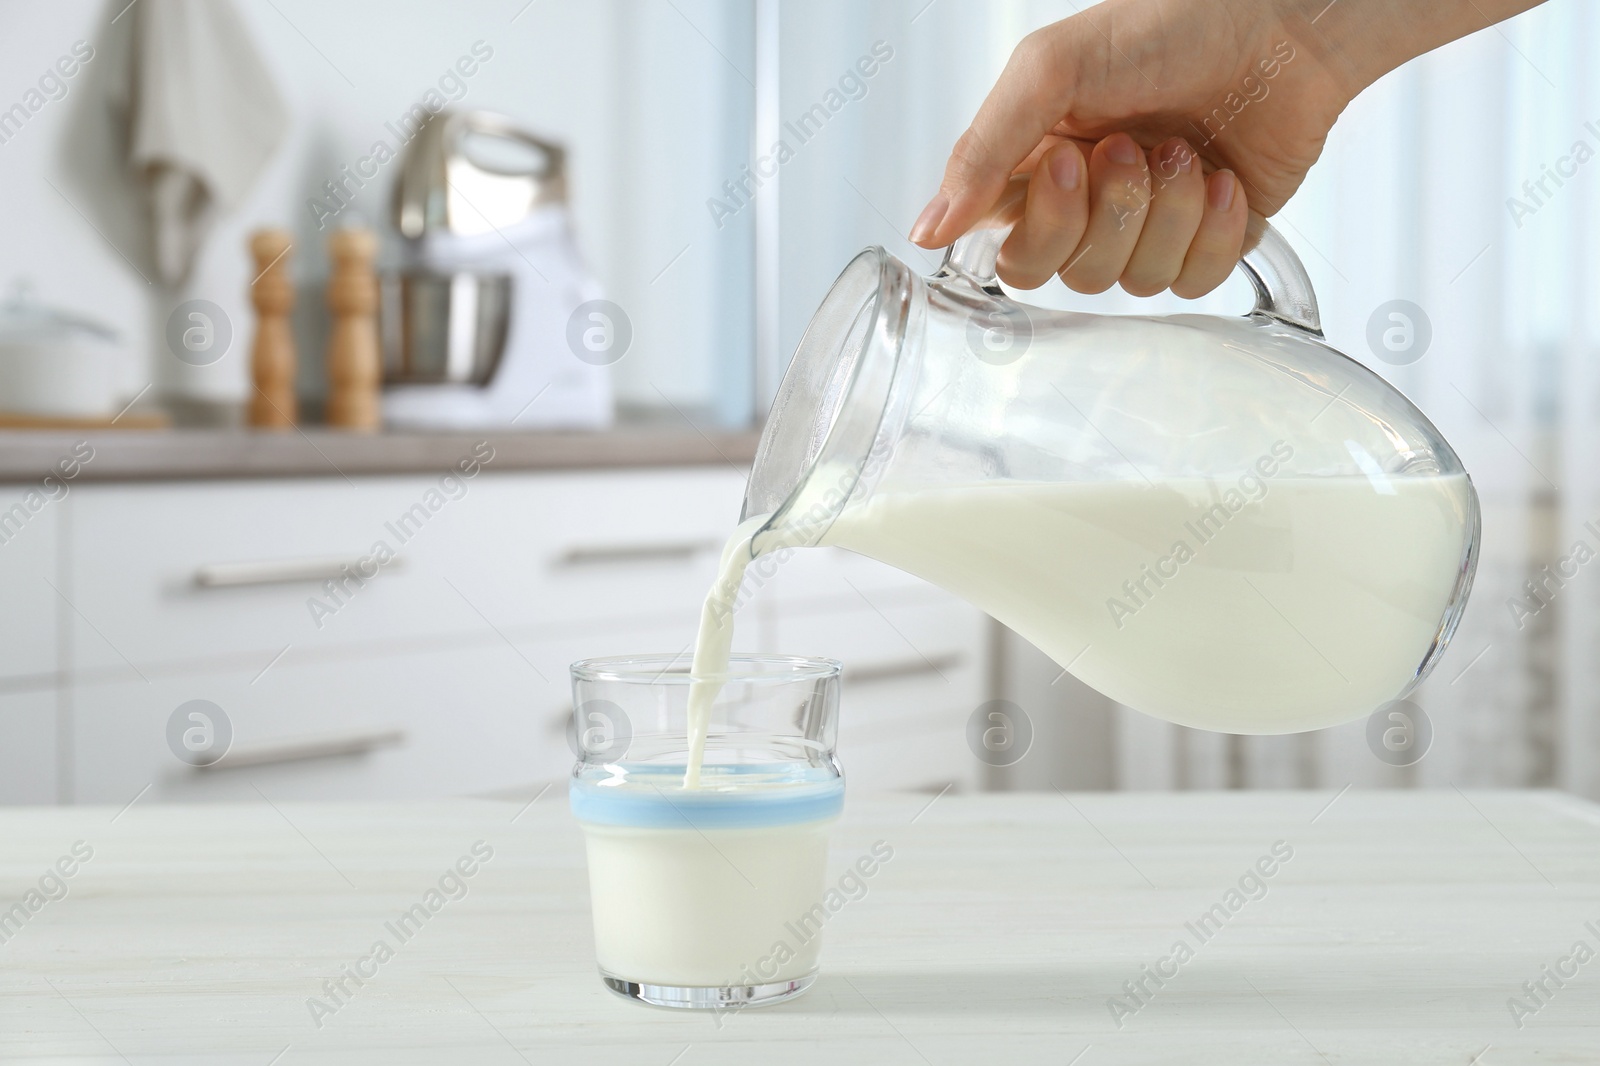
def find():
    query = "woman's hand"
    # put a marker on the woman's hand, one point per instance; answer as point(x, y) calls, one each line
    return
point(1153, 129)
point(1150, 219)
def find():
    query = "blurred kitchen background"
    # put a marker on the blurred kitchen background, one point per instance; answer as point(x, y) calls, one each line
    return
point(547, 500)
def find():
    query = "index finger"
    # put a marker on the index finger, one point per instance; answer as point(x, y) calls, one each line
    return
point(1025, 104)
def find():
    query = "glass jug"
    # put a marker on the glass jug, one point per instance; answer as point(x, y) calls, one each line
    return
point(1222, 522)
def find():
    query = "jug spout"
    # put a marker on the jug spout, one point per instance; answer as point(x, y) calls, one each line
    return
point(830, 408)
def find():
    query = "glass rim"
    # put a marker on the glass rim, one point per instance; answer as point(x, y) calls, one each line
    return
point(663, 669)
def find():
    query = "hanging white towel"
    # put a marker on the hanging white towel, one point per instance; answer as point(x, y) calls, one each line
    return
point(205, 118)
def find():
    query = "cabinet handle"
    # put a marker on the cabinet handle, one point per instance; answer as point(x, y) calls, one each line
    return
point(615, 554)
point(279, 572)
point(901, 669)
point(300, 749)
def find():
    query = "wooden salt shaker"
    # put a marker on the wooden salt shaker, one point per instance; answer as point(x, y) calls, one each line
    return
point(272, 357)
point(354, 367)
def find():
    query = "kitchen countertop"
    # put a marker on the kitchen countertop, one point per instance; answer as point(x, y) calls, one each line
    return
point(119, 455)
point(1394, 932)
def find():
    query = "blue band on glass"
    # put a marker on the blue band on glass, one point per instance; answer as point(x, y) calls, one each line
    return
point(655, 799)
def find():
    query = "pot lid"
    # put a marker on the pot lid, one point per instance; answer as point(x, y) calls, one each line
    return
point(24, 319)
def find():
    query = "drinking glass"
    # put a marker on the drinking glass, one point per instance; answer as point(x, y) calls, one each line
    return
point(706, 897)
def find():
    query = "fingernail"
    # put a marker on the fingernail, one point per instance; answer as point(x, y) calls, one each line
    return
point(1178, 156)
point(1066, 169)
point(1219, 193)
point(931, 216)
point(1121, 149)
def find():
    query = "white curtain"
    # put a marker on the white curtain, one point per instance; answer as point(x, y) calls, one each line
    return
point(1420, 196)
point(1413, 200)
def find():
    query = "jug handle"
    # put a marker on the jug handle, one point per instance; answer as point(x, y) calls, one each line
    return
point(1283, 291)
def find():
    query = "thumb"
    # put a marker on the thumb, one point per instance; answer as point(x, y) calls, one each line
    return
point(1027, 102)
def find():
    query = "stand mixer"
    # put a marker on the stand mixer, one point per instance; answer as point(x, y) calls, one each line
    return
point(475, 323)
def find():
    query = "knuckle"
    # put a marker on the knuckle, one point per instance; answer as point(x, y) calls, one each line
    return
point(1051, 45)
point(1179, 214)
point(970, 156)
point(1170, 177)
point(1214, 248)
point(1126, 195)
point(1124, 212)
point(1037, 64)
point(1022, 277)
point(1185, 288)
point(1201, 277)
point(1085, 279)
point(1031, 51)
point(1148, 281)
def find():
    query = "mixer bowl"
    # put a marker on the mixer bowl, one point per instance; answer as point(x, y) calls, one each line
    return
point(443, 328)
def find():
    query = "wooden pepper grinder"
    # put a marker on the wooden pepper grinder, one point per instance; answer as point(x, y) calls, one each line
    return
point(354, 368)
point(272, 357)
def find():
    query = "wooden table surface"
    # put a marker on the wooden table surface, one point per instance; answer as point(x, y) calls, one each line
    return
point(1397, 930)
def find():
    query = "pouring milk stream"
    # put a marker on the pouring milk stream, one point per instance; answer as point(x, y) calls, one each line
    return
point(1221, 522)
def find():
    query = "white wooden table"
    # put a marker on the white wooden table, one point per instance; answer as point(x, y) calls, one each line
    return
point(998, 932)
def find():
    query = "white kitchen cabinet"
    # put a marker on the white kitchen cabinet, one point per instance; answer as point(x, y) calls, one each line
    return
point(915, 672)
point(452, 721)
point(139, 552)
point(445, 673)
point(574, 547)
point(511, 549)
point(819, 578)
point(28, 747)
point(28, 568)
point(412, 725)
